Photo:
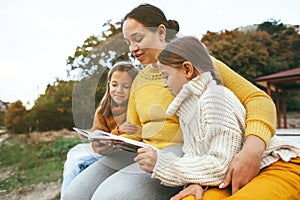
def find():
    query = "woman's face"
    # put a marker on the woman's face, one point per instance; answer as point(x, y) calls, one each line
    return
point(119, 87)
point(144, 44)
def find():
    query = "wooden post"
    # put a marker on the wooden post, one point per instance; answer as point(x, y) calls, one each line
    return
point(269, 89)
point(284, 110)
point(277, 108)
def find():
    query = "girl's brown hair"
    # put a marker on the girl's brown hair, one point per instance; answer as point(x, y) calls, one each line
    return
point(107, 102)
point(189, 49)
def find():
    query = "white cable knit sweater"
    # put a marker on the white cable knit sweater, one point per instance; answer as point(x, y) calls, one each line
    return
point(213, 123)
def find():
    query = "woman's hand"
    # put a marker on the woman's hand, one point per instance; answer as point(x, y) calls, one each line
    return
point(195, 190)
point(103, 147)
point(245, 165)
point(127, 128)
point(146, 159)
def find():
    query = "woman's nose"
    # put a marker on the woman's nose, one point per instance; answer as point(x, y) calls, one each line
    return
point(133, 48)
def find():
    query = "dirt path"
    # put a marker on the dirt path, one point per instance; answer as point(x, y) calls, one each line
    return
point(3, 137)
point(40, 191)
point(49, 191)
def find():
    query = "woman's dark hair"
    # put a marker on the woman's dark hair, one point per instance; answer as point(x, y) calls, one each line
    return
point(190, 49)
point(107, 102)
point(151, 17)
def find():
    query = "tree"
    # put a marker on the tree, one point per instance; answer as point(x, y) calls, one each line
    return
point(3, 108)
point(101, 52)
point(288, 39)
point(15, 118)
point(53, 110)
point(260, 50)
point(272, 26)
point(254, 52)
point(246, 52)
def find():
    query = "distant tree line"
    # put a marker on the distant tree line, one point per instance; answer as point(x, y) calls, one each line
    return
point(251, 51)
point(259, 50)
point(51, 111)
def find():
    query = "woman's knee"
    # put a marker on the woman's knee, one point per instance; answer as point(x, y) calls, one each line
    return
point(214, 193)
point(84, 185)
point(122, 185)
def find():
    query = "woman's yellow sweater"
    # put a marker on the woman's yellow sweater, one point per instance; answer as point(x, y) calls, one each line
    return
point(149, 101)
point(147, 106)
point(261, 111)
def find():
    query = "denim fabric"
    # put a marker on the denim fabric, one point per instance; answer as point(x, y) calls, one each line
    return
point(119, 177)
point(78, 159)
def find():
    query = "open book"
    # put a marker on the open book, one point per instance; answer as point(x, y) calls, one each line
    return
point(118, 141)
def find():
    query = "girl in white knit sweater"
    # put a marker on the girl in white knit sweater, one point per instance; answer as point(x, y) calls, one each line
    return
point(212, 120)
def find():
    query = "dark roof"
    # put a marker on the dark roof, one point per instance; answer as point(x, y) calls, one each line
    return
point(285, 80)
point(283, 74)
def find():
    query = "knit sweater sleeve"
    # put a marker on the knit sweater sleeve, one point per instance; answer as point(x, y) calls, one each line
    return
point(261, 113)
point(100, 122)
point(132, 115)
point(206, 160)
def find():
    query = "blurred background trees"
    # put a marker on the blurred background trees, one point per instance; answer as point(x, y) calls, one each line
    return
point(15, 117)
point(51, 111)
point(259, 50)
point(252, 51)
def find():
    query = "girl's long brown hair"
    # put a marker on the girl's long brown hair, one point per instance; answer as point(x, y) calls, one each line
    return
point(106, 102)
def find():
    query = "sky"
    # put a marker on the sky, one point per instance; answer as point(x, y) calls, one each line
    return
point(37, 36)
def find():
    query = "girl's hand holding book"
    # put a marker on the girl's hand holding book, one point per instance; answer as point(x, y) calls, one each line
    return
point(104, 147)
point(128, 128)
point(146, 159)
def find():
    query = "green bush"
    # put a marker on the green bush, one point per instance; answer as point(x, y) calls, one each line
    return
point(59, 148)
point(27, 163)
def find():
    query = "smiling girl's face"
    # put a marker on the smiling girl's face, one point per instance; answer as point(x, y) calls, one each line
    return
point(119, 87)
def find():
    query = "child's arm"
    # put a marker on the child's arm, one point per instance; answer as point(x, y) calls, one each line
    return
point(212, 138)
point(99, 122)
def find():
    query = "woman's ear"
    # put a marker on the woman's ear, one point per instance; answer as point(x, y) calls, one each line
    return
point(162, 32)
point(187, 69)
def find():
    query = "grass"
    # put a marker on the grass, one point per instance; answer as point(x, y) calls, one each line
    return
point(23, 162)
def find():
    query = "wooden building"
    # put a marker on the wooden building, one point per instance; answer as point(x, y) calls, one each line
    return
point(281, 83)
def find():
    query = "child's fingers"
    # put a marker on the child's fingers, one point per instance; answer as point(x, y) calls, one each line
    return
point(142, 150)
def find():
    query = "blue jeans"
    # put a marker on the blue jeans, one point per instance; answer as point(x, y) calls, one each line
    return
point(117, 176)
point(79, 158)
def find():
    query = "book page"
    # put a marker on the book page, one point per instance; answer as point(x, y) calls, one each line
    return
point(118, 141)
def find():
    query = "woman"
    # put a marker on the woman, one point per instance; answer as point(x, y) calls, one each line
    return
point(140, 31)
point(146, 37)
